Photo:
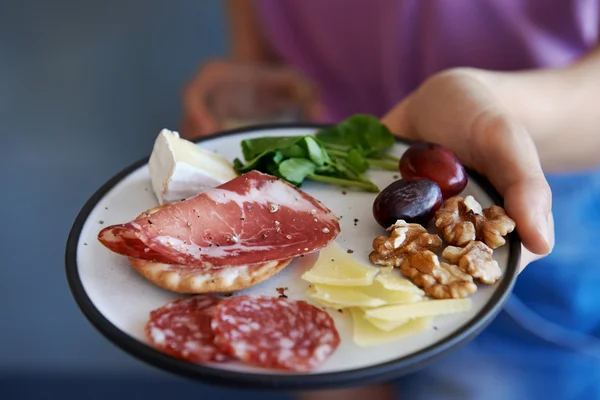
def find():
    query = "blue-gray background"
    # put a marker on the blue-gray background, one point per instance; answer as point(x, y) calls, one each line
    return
point(85, 86)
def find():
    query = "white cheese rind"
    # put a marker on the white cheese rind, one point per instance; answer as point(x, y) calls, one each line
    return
point(180, 169)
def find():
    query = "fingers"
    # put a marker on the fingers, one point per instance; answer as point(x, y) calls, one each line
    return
point(223, 87)
point(198, 120)
point(506, 154)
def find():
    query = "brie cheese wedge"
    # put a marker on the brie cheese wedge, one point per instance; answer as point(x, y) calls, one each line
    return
point(180, 169)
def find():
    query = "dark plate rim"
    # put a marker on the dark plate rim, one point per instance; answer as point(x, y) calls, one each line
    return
point(281, 382)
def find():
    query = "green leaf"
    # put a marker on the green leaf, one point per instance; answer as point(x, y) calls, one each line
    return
point(364, 133)
point(316, 153)
point(252, 148)
point(357, 161)
point(294, 170)
point(278, 157)
point(294, 151)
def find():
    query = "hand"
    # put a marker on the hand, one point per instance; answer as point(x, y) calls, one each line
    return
point(458, 110)
point(221, 88)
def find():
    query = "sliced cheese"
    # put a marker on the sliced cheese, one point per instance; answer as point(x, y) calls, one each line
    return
point(394, 282)
point(336, 267)
point(366, 335)
point(379, 291)
point(384, 325)
point(310, 292)
point(429, 308)
point(342, 296)
point(374, 295)
point(180, 169)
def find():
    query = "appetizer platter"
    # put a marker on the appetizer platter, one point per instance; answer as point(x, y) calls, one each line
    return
point(293, 256)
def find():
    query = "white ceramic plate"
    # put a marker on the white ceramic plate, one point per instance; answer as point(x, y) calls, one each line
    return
point(117, 300)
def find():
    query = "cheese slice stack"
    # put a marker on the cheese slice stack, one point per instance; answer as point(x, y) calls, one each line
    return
point(385, 306)
point(180, 169)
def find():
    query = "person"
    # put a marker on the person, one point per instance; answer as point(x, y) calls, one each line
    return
point(513, 88)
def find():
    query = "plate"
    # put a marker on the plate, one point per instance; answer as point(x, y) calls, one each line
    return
point(117, 300)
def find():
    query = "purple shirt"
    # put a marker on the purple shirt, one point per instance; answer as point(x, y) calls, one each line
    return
point(366, 55)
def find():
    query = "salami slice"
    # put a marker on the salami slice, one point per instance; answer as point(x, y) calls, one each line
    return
point(275, 333)
point(182, 329)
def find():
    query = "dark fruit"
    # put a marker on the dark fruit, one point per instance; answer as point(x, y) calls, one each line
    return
point(413, 200)
point(436, 163)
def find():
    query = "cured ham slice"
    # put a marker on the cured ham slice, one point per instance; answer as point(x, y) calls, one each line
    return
point(254, 218)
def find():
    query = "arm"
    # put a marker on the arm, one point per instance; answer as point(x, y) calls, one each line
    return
point(247, 41)
point(560, 108)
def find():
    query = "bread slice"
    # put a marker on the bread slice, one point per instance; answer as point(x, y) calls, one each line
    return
point(183, 279)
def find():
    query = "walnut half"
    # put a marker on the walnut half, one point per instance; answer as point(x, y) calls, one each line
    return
point(463, 221)
point(405, 239)
point(476, 260)
point(438, 280)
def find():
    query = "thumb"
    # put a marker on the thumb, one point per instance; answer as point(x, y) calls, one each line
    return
point(397, 120)
point(505, 153)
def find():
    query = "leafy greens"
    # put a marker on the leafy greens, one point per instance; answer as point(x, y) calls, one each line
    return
point(339, 154)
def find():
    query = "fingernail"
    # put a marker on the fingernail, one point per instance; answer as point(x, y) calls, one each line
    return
point(541, 224)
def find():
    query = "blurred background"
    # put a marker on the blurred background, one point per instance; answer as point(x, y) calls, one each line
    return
point(85, 87)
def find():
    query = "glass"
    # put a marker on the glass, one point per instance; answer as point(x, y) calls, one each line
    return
point(254, 99)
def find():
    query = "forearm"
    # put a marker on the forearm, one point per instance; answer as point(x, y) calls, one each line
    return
point(559, 107)
point(247, 40)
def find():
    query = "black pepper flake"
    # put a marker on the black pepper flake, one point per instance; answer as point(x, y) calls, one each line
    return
point(100, 222)
point(218, 245)
point(199, 248)
point(435, 328)
point(281, 291)
point(355, 221)
point(332, 259)
point(340, 310)
point(396, 176)
point(264, 236)
point(85, 244)
point(106, 208)
point(210, 245)
point(344, 192)
point(350, 251)
point(150, 222)
point(242, 219)
point(301, 255)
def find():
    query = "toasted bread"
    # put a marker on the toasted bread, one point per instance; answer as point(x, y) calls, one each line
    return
point(183, 279)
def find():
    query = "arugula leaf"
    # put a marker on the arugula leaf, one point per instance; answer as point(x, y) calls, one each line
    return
point(362, 132)
point(294, 170)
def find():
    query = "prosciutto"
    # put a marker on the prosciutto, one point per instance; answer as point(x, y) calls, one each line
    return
point(253, 218)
